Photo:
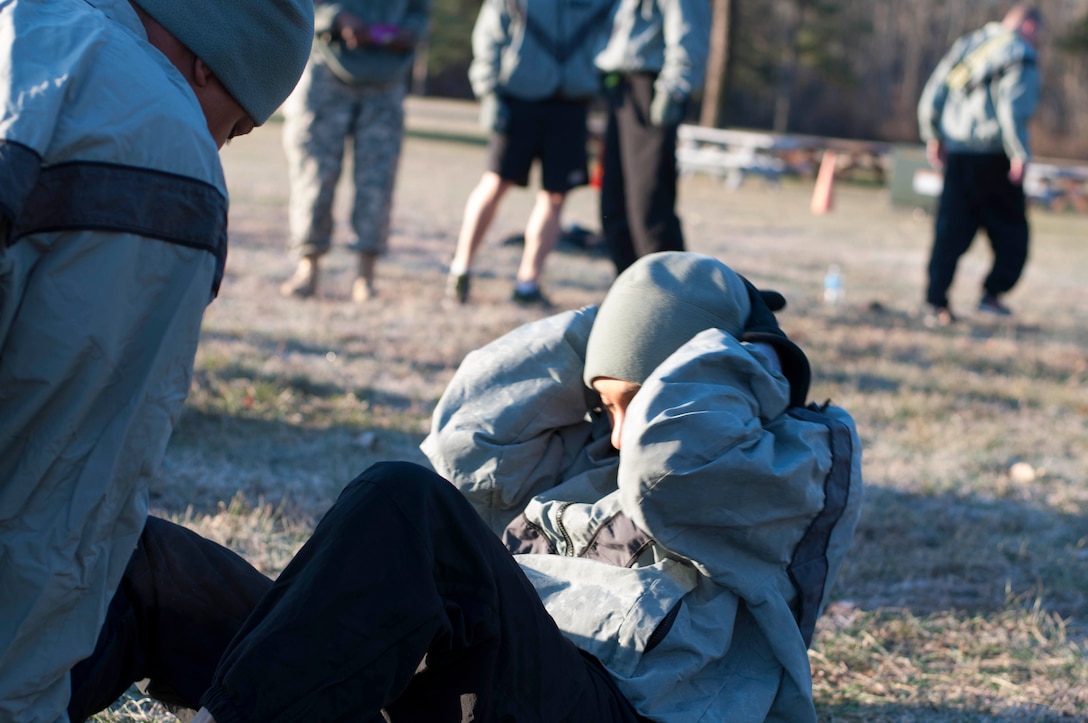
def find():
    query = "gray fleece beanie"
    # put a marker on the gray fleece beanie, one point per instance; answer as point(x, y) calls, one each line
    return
point(257, 48)
point(656, 306)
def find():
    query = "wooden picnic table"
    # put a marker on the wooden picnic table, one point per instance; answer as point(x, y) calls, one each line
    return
point(1058, 185)
point(732, 154)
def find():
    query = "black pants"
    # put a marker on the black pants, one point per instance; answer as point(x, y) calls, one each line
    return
point(181, 600)
point(405, 605)
point(978, 194)
point(638, 188)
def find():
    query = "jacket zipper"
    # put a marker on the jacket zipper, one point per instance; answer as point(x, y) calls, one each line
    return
point(569, 551)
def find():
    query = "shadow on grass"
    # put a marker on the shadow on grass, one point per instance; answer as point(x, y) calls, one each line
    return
point(852, 713)
point(965, 552)
point(265, 346)
point(875, 314)
point(214, 456)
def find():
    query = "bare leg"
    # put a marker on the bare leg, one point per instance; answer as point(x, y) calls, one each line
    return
point(479, 212)
point(541, 235)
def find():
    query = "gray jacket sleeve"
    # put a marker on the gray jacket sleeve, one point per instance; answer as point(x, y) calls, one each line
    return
point(1016, 95)
point(934, 94)
point(714, 469)
point(687, 39)
point(325, 15)
point(490, 35)
point(514, 415)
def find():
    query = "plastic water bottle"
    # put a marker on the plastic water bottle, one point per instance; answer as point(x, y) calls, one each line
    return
point(833, 291)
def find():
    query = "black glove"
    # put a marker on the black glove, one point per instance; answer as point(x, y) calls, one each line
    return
point(762, 326)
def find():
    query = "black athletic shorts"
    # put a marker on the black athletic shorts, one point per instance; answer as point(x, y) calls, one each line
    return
point(551, 130)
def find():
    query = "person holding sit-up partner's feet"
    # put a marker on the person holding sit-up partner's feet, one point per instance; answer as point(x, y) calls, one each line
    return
point(113, 239)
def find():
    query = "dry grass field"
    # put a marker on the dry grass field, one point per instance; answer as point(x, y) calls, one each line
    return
point(966, 594)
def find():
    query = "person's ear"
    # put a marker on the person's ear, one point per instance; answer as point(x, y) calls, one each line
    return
point(202, 74)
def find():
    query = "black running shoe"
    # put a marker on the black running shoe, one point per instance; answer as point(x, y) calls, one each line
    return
point(458, 287)
point(531, 298)
point(990, 305)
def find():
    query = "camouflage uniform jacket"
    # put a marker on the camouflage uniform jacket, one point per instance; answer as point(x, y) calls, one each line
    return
point(982, 94)
point(685, 564)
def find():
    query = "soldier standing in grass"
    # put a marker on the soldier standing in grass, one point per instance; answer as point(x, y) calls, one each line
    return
point(973, 116)
point(655, 59)
point(532, 69)
point(353, 87)
point(113, 237)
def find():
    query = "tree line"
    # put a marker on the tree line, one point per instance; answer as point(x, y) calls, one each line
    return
point(840, 68)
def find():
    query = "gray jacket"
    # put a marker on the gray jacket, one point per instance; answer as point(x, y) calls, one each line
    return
point(113, 233)
point(535, 49)
point(666, 37)
point(673, 563)
point(370, 64)
point(982, 94)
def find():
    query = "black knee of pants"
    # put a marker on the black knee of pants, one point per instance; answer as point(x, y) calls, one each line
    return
point(405, 602)
point(181, 600)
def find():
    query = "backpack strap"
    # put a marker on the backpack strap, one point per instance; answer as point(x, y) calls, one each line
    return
point(974, 70)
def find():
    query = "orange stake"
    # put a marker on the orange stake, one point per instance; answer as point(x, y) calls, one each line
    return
point(823, 193)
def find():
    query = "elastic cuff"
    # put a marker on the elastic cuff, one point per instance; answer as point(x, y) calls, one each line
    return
point(220, 705)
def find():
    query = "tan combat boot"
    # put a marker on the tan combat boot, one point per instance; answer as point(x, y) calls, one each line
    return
point(303, 284)
point(363, 289)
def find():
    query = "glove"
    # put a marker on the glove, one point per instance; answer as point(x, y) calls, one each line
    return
point(667, 109)
point(494, 113)
point(762, 326)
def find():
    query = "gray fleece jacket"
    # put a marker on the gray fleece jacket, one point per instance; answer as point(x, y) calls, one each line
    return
point(686, 563)
point(535, 49)
point(669, 38)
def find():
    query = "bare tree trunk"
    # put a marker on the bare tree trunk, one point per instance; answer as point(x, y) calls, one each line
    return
point(419, 70)
point(787, 71)
point(717, 64)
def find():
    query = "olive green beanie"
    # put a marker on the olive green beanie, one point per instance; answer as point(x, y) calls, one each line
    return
point(257, 48)
point(655, 306)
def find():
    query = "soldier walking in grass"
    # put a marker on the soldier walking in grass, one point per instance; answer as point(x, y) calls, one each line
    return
point(973, 116)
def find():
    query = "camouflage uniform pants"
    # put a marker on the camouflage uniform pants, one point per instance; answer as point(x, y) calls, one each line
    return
point(321, 114)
